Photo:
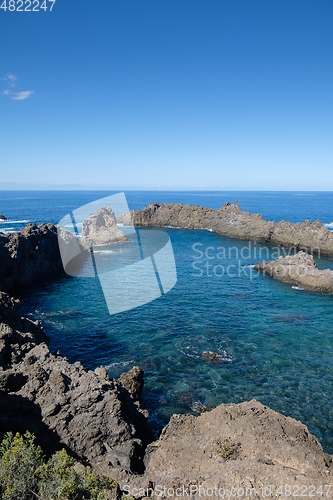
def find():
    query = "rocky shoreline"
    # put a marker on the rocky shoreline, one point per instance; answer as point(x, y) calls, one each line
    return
point(29, 256)
point(97, 419)
point(101, 422)
point(299, 270)
point(233, 222)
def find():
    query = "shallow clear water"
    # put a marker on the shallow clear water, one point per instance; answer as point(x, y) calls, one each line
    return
point(274, 343)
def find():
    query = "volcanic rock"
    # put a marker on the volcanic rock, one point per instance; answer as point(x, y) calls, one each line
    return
point(299, 270)
point(2, 217)
point(100, 228)
point(133, 381)
point(246, 446)
point(28, 256)
point(93, 416)
point(231, 221)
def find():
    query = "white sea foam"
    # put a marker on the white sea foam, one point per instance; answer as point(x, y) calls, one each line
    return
point(13, 221)
point(297, 288)
point(105, 251)
point(119, 363)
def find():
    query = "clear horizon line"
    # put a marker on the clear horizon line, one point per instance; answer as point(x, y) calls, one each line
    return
point(166, 189)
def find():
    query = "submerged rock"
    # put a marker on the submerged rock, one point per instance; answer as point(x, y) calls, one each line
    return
point(299, 270)
point(100, 228)
point(212, 356)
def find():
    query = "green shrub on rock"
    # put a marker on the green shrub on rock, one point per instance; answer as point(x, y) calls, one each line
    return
point(25, 475)
point(20, 459)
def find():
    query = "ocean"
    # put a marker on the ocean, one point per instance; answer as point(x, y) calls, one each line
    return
point(272, 342)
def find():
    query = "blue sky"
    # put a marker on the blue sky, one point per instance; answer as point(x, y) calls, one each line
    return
point(173, 94)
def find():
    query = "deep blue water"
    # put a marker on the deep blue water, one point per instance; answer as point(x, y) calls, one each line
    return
point(275, 343)
point(51, 206)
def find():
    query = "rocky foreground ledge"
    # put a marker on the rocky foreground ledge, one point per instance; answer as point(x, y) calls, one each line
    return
point(97, 419)
point(231, 221)
point(101, 422)
point(299, 270)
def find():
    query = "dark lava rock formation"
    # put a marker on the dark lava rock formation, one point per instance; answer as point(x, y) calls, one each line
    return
point(28, 256)
point(2, 217)
point(299, 270)
point(93, 416)
point(133, 381)
point(231, 221)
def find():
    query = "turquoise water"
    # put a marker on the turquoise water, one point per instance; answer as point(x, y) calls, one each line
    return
point(274, 343)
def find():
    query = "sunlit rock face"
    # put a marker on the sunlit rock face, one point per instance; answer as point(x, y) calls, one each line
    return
point(100, 228)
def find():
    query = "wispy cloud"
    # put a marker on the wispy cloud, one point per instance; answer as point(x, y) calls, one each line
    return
point(19, 96)
point(16, 96)
point(11, 79)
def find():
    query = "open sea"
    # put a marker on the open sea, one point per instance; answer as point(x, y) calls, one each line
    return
point(272, 342)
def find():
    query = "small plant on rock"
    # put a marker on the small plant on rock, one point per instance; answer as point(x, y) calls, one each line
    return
point(228, 450)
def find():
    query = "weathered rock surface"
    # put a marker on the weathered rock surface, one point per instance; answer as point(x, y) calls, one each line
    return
point(231, 221)
point(243, 445)
point(93, 416)
point(2, 217)
point(100, 228)
point(133, 381)
point(28, 256)
point(300, 270)
point(73, 254)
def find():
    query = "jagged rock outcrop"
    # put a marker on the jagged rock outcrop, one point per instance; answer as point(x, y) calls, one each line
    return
point(17, 335)
point(28, 256)
point(93, 416)
point(244, 445)
point(231, 221)
point(100, 228)
point(2, 217)
point(133, 381)
point(299, 270)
